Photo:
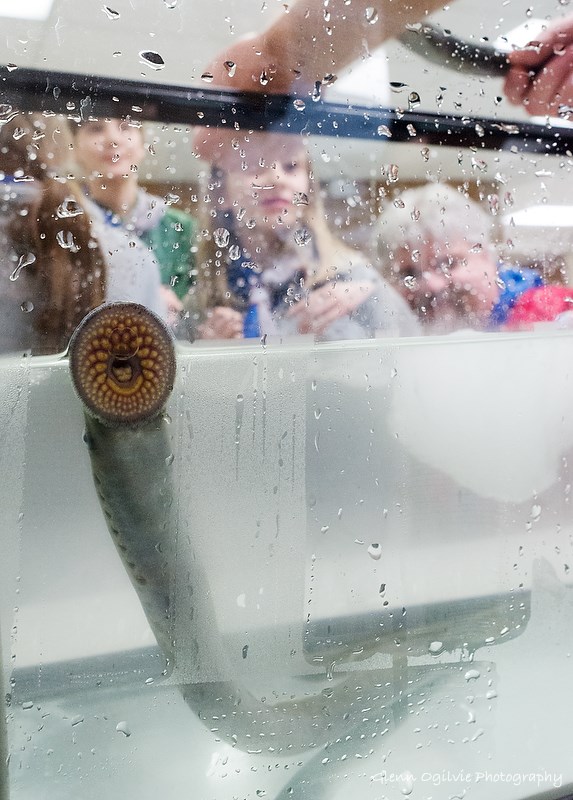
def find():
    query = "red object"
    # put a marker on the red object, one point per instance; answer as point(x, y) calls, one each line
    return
point(541, 304)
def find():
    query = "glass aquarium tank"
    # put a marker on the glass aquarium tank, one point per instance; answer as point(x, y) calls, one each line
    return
point(286, 414)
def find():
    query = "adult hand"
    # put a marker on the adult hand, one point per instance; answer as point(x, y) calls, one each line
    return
point(541, 74)
point(221, 323)
point(328, 303)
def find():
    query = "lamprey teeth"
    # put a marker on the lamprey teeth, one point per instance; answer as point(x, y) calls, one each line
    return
point(122, 362)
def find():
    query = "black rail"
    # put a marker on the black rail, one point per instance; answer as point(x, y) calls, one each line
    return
point(84, 95)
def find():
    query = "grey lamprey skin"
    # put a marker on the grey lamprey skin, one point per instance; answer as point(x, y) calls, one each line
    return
point(132, 479)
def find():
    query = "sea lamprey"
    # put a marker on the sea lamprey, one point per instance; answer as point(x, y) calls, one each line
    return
point(122, 363)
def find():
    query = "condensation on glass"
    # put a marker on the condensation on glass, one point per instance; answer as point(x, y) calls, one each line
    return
point(366, 544)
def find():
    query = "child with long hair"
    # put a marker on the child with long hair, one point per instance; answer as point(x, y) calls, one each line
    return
point(52, 271)
point(268, 263)
point(58, 262)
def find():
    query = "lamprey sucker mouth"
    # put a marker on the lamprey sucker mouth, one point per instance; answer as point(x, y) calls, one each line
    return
point(122, 362)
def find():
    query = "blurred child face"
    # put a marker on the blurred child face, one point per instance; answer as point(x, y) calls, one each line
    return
point(449, 285)
point(270, 180)
point(109, 147)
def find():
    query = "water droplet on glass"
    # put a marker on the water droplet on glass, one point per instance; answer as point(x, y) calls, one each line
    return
point(302, 236)
point(110, 13)
point(123, 727)
point(371, 15)
point(27, 306)
point(317, 91)
point(221, 237)
point(170, 3)
point(535, 513)
point(436, 648)
point(152, 59)
point(77, 720)
point(264, 78)
point(299, 104)
point(234, 252)
point(410, 281)
point(24, 261)
point(413, 100)
point(384, 130)
point(472, 675)
point(69, 208)
point(493, 201)
point(5, 110)
point(231, 68)
point(300, 199)
point(406, 783)
point(392, 171)
point(375, 551)
point(18, 133)
point(67, 241)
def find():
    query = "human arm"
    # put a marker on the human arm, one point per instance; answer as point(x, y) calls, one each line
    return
point(313, 39)
point(541, 74)
point(310, 41)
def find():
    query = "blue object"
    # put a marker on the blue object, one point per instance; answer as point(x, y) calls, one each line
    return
point(516, 282)
point(251, 327)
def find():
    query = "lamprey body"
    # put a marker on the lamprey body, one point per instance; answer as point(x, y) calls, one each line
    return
point(122, 362)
